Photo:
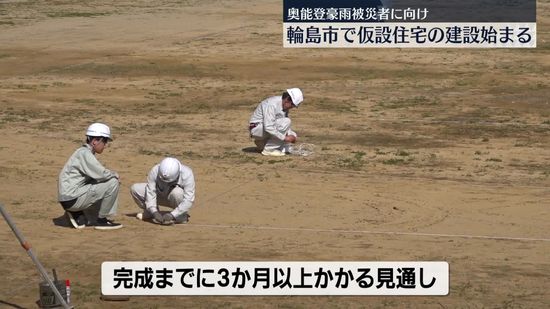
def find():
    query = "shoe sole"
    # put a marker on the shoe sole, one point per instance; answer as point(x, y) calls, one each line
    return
point(104, 228)
point(270, 154)
point(73, 221)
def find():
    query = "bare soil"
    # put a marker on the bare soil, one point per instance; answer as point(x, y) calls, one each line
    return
point(420, 141)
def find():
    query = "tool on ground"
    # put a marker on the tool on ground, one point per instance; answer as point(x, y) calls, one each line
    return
point(47, 295)
point(68, 289)
point(303, 150)
point(39, 266)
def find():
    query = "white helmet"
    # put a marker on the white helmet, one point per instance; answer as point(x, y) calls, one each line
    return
point(296, 96)
point(99, 130)
point(169, 170)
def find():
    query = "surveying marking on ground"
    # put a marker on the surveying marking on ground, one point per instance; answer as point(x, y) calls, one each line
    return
point(252, 227)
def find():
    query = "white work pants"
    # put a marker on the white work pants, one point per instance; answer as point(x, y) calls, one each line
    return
point(103, 195)
point(264, 140)
point(170, 199)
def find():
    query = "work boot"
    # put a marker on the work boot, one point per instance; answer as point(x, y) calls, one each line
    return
point(273, 153)
point(106, 224)
point(77, 219)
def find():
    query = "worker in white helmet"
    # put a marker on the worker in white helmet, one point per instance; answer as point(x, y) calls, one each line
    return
point(269, 125)
point(84, 182)
point(170, 184)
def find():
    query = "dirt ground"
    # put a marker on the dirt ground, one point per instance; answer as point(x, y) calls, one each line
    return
point(409, 143)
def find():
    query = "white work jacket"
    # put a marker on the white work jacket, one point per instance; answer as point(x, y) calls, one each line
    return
point(155, 186)
point(267, 112)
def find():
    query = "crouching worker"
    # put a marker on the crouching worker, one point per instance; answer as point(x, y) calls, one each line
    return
point(170, 184)
point(269, 125)
point(84, 182)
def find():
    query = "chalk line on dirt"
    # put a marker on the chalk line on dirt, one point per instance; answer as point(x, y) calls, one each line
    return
point(253, 227)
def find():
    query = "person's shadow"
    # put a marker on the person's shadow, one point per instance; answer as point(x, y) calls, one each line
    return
point(91, 215)
point(62, 221)
point(250, 150)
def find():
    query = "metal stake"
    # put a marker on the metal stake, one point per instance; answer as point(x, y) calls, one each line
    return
point(27, 248)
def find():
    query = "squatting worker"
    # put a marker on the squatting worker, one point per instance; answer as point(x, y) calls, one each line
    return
point(170, 184)
point(270, 126)
point(85, 184)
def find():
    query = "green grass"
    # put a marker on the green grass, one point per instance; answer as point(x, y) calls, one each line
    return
point(393, 161)
point(148, 152)
point(407, 102)
point(75, 14)
point(26, 87)
point(358, 155)
point(355, 163)
point(18, 116)
point(189, 155)
point(86, 101)
point(163, 67)
point(241, 158)
point(273, 161)
point(335, 106)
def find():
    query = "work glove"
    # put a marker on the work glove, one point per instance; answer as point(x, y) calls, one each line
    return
point(168, 219)
point(184, 218)
point(157, 218)
point(290, 139)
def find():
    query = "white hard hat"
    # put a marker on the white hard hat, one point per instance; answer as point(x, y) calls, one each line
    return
point(296, 96)
point(169, 169)
point(99, 130)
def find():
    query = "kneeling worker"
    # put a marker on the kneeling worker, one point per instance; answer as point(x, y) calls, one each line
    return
point(269, 125)
point(171, 184)
point(84, 182)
